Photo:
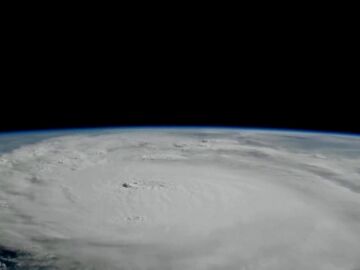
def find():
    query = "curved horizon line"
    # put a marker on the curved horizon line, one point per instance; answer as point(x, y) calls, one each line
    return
point(221, 127)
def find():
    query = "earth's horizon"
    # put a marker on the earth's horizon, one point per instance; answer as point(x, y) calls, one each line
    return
point(188, 197)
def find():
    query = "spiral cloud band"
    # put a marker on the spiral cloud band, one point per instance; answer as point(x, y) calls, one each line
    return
point(181, 199)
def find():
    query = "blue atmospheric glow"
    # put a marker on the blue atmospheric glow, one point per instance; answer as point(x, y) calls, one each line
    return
point(167, 127)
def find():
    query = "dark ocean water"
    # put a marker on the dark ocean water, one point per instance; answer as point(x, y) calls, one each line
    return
point(11, 259)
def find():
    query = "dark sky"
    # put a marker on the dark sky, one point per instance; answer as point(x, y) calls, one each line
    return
point(58, 107)
point(267, 90)
point(289, 78)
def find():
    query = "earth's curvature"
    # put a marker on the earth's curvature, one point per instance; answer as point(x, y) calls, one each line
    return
point(174, 199)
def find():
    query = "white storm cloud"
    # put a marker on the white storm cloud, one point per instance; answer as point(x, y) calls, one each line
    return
point(182, 200)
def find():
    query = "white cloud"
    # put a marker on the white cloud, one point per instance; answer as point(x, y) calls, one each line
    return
point(191, 204)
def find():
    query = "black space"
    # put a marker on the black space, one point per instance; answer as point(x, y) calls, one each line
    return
point(181, 94)
point(272, 74)
point(68, 108)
